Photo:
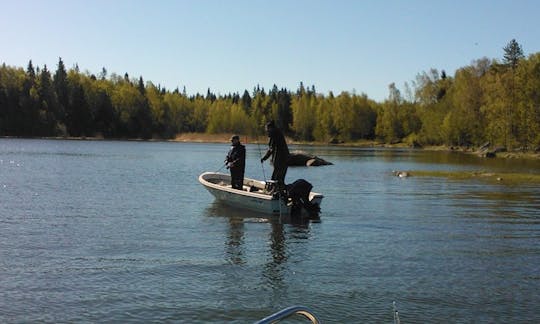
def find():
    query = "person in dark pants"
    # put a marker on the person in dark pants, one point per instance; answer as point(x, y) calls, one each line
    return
point(279, 151)
point(236, 162)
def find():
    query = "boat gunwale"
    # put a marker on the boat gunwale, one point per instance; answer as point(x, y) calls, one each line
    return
point(254, 194)
point(216, 186)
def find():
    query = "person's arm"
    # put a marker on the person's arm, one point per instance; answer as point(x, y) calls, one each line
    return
point(271, 148)
point(242, 156)
point(267, 155)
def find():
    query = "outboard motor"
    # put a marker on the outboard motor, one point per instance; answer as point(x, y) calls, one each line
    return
point(298, 192)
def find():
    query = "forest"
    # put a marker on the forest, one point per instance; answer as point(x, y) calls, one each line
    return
point(491, 100)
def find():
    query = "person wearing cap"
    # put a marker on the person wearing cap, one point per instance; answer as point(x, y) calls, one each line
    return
point(279, 153)
point(236, 162)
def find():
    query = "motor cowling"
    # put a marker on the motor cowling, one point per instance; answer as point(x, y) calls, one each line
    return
point(298, 193)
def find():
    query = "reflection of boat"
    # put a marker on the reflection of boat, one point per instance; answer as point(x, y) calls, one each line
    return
point(254, 195)
point(219, 209)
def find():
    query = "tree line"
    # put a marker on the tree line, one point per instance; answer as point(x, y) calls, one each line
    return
point(491, 100)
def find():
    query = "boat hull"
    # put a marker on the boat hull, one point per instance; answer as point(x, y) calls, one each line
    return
point(253, 196)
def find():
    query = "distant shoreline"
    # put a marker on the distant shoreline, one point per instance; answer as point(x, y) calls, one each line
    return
point(223, 138)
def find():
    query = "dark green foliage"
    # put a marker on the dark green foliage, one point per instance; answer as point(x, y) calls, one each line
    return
point(246, 102)
point(105, 119)
point(50, 112)
point(79, 117)
point(486, 101)
point(61, 88)
point(513, 53)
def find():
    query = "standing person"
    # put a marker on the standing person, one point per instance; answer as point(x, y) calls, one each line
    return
point(279, 151)
point(236, 162)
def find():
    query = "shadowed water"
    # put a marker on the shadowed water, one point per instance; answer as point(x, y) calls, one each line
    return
point(123, 232)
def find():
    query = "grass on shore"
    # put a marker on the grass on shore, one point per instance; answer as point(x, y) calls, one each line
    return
point(505, 178)
point(217, 138)
point(262, 139)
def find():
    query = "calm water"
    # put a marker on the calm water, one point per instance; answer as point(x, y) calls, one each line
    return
point(123, 232)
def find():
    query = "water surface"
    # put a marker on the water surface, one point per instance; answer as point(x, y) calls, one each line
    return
point(105, 231)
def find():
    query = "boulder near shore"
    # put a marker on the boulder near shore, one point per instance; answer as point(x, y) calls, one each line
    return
point(300, 158)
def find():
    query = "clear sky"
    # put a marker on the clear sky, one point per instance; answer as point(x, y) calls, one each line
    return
point(233, 45)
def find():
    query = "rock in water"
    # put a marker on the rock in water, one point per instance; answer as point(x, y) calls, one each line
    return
point(298, 158)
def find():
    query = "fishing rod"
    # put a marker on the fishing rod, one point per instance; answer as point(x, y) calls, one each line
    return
point(260, 154)
point(221, 167)
point(396, 314)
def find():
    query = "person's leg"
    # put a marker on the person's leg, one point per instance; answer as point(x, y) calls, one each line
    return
point(240, 180)
point(280, 172)
point(235, 183)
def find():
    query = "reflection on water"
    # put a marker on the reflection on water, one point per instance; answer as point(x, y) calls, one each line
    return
point(500, 204)
point(235, 241)
point(218, 209)
point(281, 228)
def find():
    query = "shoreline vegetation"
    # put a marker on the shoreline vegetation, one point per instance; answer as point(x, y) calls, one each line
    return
point(489, 108)
point(246, 139)
point(224, 138)
point(490, 177)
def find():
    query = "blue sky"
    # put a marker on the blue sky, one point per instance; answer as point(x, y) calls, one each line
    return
point(230, 46)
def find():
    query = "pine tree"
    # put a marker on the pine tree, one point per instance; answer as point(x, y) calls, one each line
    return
point(513, 53)
point(48, 104)
point(246, 102)
point(61, 89)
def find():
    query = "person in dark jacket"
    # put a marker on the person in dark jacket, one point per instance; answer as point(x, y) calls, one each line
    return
point(236, 162)
point(279, 151)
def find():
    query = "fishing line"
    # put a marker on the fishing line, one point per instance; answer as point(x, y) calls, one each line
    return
point(221, 167)
point(260, 155)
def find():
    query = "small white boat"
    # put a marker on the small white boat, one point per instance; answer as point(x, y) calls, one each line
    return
point(253, 196)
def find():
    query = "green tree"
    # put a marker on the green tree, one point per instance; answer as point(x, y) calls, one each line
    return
point(513, 53)
point(12, 119)
point(246, 102)
point(79, 118)
point(61, 89)
point(303, 110)
point(495, 107)
point(464, 124)
point(429, 88)
point(239, 120)
point(49, 108)
point(201, 108)
point(29, 104)
point(218, 117)
point(182, 112)
point(281, 112)
point(105, 118)
point(389, 127)
point(366, 117)
point(260, 111)
point(528, 103)
point(324, 130)
point(160, 111)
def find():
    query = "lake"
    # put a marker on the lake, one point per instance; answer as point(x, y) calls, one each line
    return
point(121, 231)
